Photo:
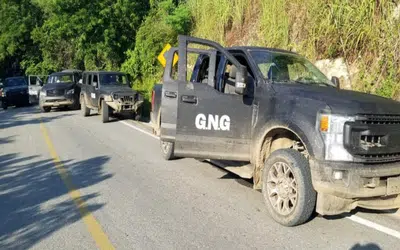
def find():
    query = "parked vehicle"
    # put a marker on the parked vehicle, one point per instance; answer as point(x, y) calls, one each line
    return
point(272, 116)
point(62, 90)
point(109, 93)
point(14, 92)
point(35, 83)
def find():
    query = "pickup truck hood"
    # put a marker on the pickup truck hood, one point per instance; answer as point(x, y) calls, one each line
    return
point(117, 89)
point(15, 88)
point(58, 86)
point(340, 101)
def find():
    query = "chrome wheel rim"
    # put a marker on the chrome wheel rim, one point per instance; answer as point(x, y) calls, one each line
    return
point(282, 188)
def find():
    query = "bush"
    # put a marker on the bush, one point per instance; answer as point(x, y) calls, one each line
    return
point(162, 25)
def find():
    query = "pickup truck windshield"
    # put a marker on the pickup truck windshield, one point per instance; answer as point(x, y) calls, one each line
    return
point(15, 82)
point(282, 67)
point(113, 79)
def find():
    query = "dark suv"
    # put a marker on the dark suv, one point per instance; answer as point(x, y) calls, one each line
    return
point(109, 93)
point(14, 92)
point(61, 90)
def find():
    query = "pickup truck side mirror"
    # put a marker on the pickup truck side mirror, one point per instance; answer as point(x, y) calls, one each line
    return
point(336, 82)
point(241, 80)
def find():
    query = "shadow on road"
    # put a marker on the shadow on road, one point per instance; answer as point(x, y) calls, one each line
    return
point(34, 200)
point(369, 246)
point(23, 116)
point(7, 139)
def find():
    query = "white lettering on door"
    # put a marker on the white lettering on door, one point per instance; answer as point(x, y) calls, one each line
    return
point(213, 122)
point(93, 95)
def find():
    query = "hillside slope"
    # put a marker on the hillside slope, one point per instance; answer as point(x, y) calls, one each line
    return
point(365, 34)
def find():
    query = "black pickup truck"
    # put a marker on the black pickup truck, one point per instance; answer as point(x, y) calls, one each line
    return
point(110, 93)
point(272, 116)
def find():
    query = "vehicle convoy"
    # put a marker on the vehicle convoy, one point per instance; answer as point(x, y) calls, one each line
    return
point(110, 93)
point(272, 116)
point(14, 92)
point(61, 90)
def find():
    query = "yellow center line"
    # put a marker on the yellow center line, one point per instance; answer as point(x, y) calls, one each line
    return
point(93, 226)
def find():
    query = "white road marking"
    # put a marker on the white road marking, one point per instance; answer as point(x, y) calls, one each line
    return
point(375, 226)
point(139, 129)
point(354, 218)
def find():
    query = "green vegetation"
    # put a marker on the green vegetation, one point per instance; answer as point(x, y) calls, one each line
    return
point(365, 32)
point(42, 36)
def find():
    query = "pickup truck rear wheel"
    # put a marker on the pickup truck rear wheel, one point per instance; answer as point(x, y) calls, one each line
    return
point(167, 150)
point(287, 187)
point(85, 110)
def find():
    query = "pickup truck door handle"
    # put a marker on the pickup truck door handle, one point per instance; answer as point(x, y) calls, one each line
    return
point(170, 94)
point(189, 98)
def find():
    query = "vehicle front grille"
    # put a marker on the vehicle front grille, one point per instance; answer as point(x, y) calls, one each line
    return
point(55, 92)
point(371, 140)
point(374, 138)
point(379, 157)
point(127, 98)
point(378, 119)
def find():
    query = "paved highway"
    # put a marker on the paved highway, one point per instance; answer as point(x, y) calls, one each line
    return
point(69, 182)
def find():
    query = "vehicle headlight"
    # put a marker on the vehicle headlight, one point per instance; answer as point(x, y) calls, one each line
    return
point(331, 127)
point(71, 91)
point(42, 93)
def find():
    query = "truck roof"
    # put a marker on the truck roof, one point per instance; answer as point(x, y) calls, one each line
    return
point(71, 70)
point(246, 48)
point(104, 72)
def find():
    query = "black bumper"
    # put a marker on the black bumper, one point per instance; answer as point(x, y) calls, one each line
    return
point(359, 180)
point(57, 101)
point(13, 99)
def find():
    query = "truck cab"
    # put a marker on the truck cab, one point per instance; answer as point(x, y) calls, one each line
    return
point(272, 116)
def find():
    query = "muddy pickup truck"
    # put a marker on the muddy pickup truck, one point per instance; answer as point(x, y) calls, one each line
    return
point(110, 94)
point(271, 116)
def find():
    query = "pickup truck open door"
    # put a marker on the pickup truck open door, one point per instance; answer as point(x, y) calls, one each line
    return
point(201, 121)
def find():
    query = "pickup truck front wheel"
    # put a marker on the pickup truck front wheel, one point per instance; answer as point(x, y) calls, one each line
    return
point(287, 187)
point(45, 109)
point(104, 112)
point(85, 110)
point(167, 150)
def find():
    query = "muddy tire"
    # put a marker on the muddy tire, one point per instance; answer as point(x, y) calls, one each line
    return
point(287, 187)
point(4, 105)
point(45, 109)
point(84, 109)
point(104, 112)
point(167, 150)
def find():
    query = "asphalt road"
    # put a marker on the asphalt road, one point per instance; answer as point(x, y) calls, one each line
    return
point(69, 182)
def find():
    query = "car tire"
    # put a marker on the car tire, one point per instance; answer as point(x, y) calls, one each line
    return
point(105, 112)
point(4, 105)
point(167, 150)
point(45, 109)
point(85, 110)
point(287, 187)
